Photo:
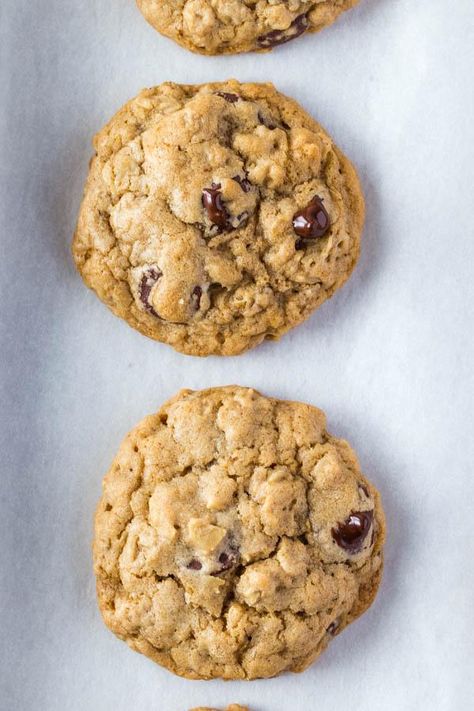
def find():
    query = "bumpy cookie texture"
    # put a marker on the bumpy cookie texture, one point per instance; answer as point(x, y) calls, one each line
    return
point(216, 216)
point(235, 536)
point(231, 26)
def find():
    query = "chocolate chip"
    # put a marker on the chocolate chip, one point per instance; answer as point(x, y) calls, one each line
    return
point(231, 98)
point(271, 125)
point(311, 222)
point(194, 564)
point(351, 534)
point(215, 208)
point(333, 627)
point(217, 211)
point(265, 122)
point(227, 560)
point(299, 25)
point(147, 282)
point(244, 183)
point(196, 297)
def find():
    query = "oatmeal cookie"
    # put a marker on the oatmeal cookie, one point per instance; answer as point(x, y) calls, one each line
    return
point(235, 536)
point(216, 216)
point(232, 26)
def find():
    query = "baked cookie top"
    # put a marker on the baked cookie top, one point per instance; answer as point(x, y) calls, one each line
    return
point(231, 26)
point(235, 536)
point(215, 216)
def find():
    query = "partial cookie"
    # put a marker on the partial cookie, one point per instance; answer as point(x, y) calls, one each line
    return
point(232, 26)
point(232, 707)
point(235, 536)
point(216, 216)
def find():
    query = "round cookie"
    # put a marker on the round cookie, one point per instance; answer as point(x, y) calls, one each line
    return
point(232, 26)
point(216, 216)
point(235, 536)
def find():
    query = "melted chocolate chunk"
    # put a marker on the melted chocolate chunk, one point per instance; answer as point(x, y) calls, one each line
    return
point(231, 98)
point(215, 208)
point(333, 627)
point(194, 564)
point(147, 282)
point(299, 25)
point(244, 183)
point(311, 222)
point(196, 297)
point(351, 534)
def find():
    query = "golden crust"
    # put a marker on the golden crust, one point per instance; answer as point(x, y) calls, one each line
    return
point(217, 548)
point(142, 226)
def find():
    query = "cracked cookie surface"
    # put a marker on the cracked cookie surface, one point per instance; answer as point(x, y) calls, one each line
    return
point(232, 26)
point(235, 536)
point(216, 216)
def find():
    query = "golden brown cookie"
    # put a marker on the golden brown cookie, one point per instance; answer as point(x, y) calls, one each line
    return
point(232, 26)
point(235, 536)
point(216, 216)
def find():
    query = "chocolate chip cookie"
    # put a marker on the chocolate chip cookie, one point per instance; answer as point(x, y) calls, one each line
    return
point(216, 216)
point(235, 536)
point(231, 26)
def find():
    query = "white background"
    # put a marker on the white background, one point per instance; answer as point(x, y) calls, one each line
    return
point(389, 358)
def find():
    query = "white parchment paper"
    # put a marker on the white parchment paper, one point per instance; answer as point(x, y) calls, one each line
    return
point(389, 358)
